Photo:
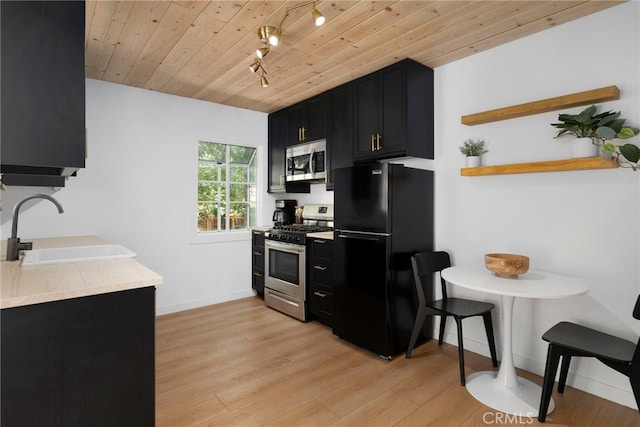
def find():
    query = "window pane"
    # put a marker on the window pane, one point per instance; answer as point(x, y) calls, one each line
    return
point(238, 174)
point(207, 191)
point(207, 172)
point(238, 215)
point(241, 155)
point(212, 151)
point(238, 192)
point(207, 216)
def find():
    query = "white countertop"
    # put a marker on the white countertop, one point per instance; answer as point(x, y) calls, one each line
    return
point(53, 282)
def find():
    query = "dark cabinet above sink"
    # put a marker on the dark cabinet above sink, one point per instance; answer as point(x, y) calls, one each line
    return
point(43, 91)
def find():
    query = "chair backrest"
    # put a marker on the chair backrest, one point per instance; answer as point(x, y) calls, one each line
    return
point(426, 264)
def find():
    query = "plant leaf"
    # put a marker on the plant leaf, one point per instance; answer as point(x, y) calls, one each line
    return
point(605, 132)
point(630, 152)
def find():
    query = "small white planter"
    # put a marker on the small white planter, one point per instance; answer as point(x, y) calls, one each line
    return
point(473, 161)
point(583, 147)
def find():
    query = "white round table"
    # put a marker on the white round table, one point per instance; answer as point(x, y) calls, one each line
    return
point(504, 390)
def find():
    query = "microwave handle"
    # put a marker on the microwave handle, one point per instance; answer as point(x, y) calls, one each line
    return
point(312, 159)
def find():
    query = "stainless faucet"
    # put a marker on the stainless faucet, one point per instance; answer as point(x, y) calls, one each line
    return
point(14, 246)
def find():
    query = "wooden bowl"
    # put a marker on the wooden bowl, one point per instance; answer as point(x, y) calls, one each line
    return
point(507, 265)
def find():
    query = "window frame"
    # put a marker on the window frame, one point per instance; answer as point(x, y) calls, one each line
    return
point(226, 235)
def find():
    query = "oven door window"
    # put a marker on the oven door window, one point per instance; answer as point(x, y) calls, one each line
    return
point(284, 266)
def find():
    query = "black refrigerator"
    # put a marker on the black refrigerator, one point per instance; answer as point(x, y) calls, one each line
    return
point(383, 214)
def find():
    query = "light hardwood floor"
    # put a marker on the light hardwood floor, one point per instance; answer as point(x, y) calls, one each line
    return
point(243, 364)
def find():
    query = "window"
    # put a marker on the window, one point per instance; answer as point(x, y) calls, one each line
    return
point(227, 190)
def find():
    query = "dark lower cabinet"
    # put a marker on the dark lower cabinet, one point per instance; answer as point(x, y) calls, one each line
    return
point(86, 361)
point(257, 261)
point(320, 277)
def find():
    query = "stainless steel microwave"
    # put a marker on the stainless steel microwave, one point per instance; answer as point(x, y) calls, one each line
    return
point(306, 162)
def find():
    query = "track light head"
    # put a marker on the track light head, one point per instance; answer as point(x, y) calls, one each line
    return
point(318, 18)
point(274, 38)
point(255, 66)
point(265, 33)
point(263, 81)
point(262, 52)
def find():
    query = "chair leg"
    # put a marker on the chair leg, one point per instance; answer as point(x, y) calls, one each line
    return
point(634, 378)
point(417, 327)
point(488, 326)
point(443, 323)
point(553, 357)
point(564, 371)
point(460, 351)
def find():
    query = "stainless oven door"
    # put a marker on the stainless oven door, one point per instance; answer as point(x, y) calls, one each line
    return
point(285, 268)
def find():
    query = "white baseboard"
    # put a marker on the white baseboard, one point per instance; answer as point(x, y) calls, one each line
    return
point(174, 308)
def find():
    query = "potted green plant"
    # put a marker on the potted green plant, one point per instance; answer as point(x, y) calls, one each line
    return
point(473, 150)
point(591, 129)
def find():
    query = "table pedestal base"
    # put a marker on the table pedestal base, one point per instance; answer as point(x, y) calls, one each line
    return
point(523, 400)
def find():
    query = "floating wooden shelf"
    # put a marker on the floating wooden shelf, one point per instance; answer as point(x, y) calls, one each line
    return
point(608, 93)
point(546, 166)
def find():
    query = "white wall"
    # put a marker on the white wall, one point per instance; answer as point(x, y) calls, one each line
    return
point(139, 189)
point(140, 178)
point(582, 223)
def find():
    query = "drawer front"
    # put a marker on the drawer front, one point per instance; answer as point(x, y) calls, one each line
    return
point(257, 258)
point(257, 238)
point(285, 304)
point(257, 282)
point(321, 304)
point(322, 248)
point(320, 272)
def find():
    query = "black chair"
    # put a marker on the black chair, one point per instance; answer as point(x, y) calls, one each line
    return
point(567, 339)
point(426, 264)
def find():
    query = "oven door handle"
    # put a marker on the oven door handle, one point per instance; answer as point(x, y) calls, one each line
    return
point(285, 247)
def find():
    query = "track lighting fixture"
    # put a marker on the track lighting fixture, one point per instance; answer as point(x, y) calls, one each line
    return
point(262, 52)
point(318, 18)
point(255, 66)
point(270, 35)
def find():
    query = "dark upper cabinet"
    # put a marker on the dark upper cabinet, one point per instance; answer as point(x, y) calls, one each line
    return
point(339, 130)
point(393, 112)
point(277, 144)
point(307, 121)
point(43, 91)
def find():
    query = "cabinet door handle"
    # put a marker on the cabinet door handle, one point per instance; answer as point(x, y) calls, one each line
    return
point(373, 147)
point(378, 147)
point(319, 241)
point(320, 294)
point(258, 253)
point(258, 274)
point(304, 133)
point(320, 267)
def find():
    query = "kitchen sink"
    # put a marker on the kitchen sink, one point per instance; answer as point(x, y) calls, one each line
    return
point(76, 254)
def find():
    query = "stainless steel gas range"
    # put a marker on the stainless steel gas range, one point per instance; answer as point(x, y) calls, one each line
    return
point(285, 287)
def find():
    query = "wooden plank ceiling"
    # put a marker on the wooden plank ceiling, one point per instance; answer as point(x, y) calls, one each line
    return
point(203, 49)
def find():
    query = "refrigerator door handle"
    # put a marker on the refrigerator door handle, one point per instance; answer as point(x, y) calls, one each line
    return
point(364, 236)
